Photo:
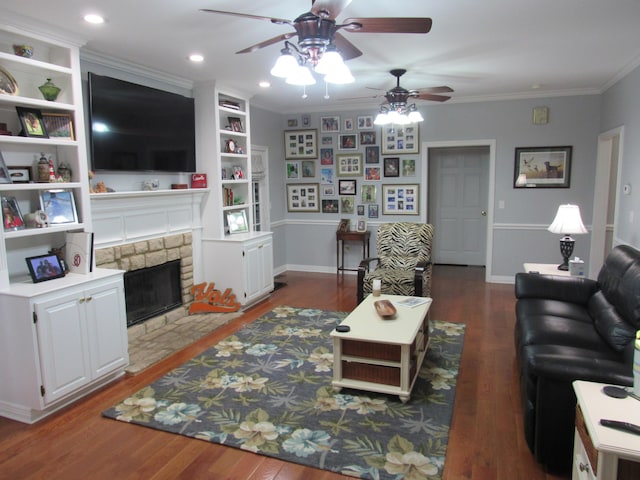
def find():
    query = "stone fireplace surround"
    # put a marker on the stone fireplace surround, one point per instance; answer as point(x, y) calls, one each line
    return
point(150, 253)
point(141, 229)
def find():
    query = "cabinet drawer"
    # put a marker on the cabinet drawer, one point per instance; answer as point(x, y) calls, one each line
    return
point(590, 450)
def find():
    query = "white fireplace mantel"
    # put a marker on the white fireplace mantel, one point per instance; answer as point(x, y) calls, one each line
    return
point(125, 217)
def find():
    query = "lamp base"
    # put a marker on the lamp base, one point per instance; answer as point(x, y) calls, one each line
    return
point(566, 249)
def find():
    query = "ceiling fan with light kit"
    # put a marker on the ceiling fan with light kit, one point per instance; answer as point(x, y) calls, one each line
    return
point(319, 43)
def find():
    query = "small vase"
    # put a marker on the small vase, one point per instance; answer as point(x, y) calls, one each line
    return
point(49, 90)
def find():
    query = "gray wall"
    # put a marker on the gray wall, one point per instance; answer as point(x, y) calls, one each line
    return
point(621, 107)
point(519, 230)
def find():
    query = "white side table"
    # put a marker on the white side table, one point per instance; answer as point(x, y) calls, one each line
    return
point(602, 453)
point(545, 269)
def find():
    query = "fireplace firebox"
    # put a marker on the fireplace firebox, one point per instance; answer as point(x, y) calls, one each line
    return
point(152, 291)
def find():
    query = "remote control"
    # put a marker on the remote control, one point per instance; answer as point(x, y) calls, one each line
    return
point(624, 426)
point(343, 328)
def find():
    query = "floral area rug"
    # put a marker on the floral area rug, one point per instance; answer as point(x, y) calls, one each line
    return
point(267, 389)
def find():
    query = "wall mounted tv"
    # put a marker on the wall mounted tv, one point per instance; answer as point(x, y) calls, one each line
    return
point(139, 128)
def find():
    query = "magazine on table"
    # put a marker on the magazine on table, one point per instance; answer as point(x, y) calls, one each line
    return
point(412, 301)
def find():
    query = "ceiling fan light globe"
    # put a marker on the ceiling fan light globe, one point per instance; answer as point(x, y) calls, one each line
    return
point(415, 117)
point(340, 75)
point(284, 66)
point(382, 119)
point(330, 61)
point(301, 76)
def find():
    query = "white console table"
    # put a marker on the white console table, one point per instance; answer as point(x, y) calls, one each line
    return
point(545, 269)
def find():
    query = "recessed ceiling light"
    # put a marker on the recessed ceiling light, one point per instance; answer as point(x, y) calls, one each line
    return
point(93, 18)
point(196, 57)
point(264, 84)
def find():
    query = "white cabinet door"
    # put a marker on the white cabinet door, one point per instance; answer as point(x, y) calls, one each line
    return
point(105, 311)
point(258, 268)
point(64, 347)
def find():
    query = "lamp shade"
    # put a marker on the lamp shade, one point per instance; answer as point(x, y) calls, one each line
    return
point(284, 66)
point(301, 76)
point(568, 221)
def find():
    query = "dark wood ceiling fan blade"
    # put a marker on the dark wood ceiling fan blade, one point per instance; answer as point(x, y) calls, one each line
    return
point(329, 8)
point(441, 89)
point(347, 49)
point(432, 97)
point(266, 43)
point(246, 15)
point(388, 25)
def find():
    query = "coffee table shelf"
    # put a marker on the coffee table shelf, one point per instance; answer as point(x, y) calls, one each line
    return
point(381, 355)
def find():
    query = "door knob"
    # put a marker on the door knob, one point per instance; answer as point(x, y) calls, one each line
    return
point(483, 213)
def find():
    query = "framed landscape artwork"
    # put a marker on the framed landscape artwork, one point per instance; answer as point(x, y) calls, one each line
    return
point(542, 167)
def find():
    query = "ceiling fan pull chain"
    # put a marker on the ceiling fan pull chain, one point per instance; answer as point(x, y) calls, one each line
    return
point(326, 90)
point(304, 91)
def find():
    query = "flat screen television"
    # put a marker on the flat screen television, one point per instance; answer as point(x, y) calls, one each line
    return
point(139, 128)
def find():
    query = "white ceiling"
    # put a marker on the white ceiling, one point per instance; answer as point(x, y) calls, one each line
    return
point(490, 49)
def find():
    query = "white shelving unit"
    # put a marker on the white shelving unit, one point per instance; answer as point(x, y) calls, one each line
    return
point(242, 262)
point(60, 62)
point(65, 337)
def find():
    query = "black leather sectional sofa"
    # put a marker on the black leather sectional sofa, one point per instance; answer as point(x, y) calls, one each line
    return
point(573, 328)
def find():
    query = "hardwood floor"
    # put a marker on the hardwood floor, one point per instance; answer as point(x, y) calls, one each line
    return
point(486, 439)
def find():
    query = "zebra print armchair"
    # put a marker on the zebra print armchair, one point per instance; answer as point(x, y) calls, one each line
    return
point(403, 261)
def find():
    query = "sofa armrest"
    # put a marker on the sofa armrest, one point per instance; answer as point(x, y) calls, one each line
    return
point(363, 268)
point(554, 287)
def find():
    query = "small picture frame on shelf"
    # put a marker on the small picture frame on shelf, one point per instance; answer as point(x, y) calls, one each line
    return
point(58, 125)
point(235, 124)
point(343, 226)
point(5, 175)
point(19, 174)
point(59, 205)
point(11, 216)
point(361, 226)
point(237, 222)
point(44, 267)
point(32, 122)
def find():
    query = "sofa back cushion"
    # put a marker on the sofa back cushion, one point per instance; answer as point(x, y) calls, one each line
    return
point(619, 281)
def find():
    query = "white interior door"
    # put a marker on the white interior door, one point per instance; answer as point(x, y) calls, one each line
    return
point(458, 199)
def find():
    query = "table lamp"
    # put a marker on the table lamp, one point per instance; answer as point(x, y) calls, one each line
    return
point(567, 222)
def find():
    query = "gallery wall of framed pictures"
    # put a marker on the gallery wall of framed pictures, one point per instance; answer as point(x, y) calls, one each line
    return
point(360, 169)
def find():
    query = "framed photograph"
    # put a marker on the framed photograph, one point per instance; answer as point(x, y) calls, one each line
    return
point(44, 267)
point(372, 154)
point(328, 190)
point(11, 216)
point(303, 197)
point(400, 139)
point(542, 167)
point(5, 175)
point(293, 170)
point(401, 199)
point(349, 165)
point(361, 226)
point(373, 211)
point(367, 138)
point(392, 167)
point(235, 124)
point(326, 175)
point(308, 168)
point(306, 120)
point(347, 126)
point(347, 141)
point(344, 224)
point(237, 222)
point(21, 174)
point(368, 193)
point(326, 156)
point(58, 125)
point(360, 210)
point(330, 206)
point(292, 122)
point(347, 205)
point(408, 167)
point(372, 173)
point(347, 187)
point(59, 205)
point(32, 123)
point(329, 124)
point(299, 144)
point(365, 122)
point(327, 140)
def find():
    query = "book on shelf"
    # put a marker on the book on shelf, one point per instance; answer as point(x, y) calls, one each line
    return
point(230, 104)
point(79, 251)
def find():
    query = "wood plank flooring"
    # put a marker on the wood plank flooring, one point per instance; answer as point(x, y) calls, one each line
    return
point(486, 439)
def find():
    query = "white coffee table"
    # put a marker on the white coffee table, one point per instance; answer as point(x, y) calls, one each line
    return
point(379, 355)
